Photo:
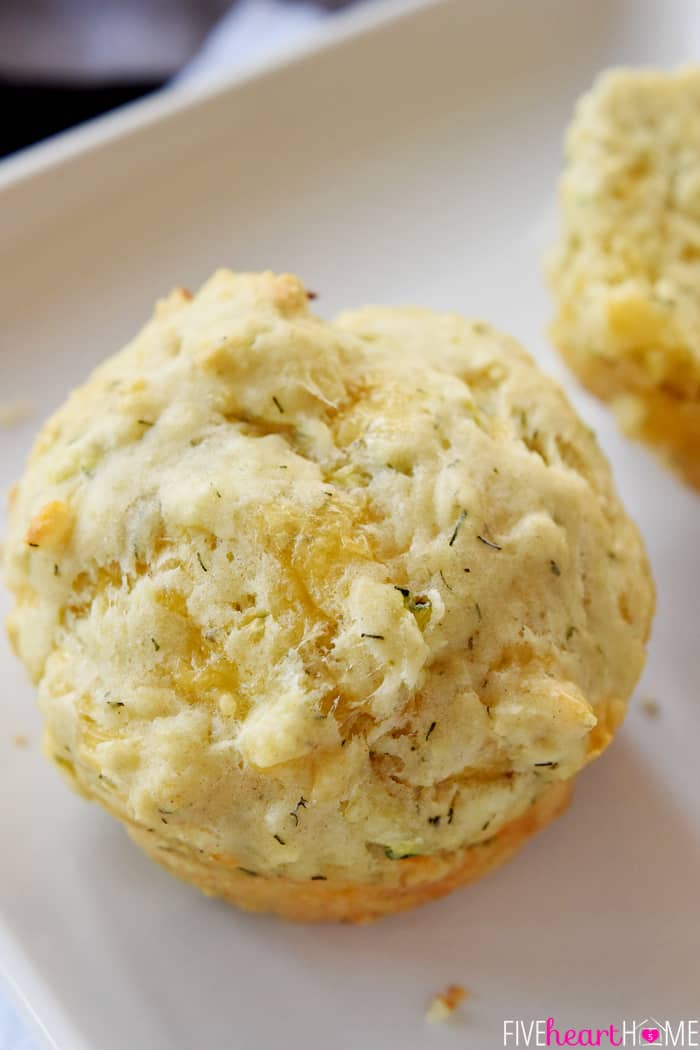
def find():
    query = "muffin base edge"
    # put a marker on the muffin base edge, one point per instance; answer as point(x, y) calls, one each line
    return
point(418, 879)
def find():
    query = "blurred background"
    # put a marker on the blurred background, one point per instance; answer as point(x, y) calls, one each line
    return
point(64, 61)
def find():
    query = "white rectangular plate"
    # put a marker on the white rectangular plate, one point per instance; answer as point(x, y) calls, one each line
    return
point(413, 163)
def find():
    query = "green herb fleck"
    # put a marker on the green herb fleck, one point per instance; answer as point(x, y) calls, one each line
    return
point(434, 821)
point(489, 543)
point(378, 637)
point(319, 878)
point(552, 765)
point(555, 568)
point(457, 527)
point(218, 494)
point(484, 826)
point(422, 609)
point(201, 563)
point(442, 577)
point(278, 405)
point(300, 804)
point(56, 570)
point(32, 544)
point(394, 855)
point(470, 643)
point(156, 646)
point(247, 871)
point(570, 631)
point(61, 760)
point(281, 841)
point(145, 422)
point(478, 609)
point(421, 606)
point(450, 814)
point(430, 730)
point(115, 703)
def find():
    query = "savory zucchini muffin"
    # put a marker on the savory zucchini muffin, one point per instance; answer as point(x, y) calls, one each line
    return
point(329, 615)
point(626, 271)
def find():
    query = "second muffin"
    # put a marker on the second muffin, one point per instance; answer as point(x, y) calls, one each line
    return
point(626, 270)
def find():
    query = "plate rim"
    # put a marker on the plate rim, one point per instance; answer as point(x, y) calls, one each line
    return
point(32, 998)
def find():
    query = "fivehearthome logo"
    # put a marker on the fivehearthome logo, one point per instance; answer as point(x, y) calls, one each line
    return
point(649, 1032)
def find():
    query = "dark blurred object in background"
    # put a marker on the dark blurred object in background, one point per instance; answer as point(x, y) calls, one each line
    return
point(64, 61)
point(33, 112)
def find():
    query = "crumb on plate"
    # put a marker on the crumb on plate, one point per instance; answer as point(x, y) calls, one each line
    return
point(444, 1004)
point(21, 740)
point(650, 707)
